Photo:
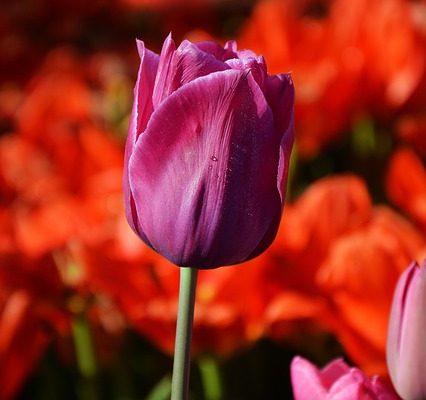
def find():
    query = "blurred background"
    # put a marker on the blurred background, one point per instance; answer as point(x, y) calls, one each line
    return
point(88, 312)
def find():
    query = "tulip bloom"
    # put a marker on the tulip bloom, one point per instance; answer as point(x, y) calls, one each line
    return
point(207, 153)
point(406, 354)
point(336, 381)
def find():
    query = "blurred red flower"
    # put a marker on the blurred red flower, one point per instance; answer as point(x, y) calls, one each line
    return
point(31, 309)
point(359, 276)
point(412, 129)
point(328, 209)
point(22, 341)
point(406, 184)
point(335, 263)
point(346, 58)
point(60, 185)
point(146, 290)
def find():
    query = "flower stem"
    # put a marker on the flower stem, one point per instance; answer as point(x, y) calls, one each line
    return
point(86, 358)
point(210, 377)
point(182, 356)
point(84, 347)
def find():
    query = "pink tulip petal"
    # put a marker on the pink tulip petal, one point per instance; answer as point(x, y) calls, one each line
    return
point(164, 71)
point(200, 171)
point(382, 391)
point(350, 387)
point(180, 66)
point(333, 371)
point(141, 111)
point(396, 315)
point(336, 381)
point(306, 380)
point(406, 357)
point(213, 48)
point(280, 97)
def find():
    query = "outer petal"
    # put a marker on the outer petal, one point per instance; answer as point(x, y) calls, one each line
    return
point(333, 371)
point(382, 391)
point(181, 66)
point(164, 71)
point(407, 327)
point(141, 111)
point(205, 172)
point(395, 320)
point(280, 96)
point(306, 380)
point(213, 48)
point(350, 387)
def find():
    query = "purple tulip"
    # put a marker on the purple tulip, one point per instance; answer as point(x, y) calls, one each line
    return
point(336, 381)
point(207, 153)
point(406, 346)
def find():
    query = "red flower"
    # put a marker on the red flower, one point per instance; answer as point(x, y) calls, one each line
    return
point(334, 265)
point(359, 276)
point(346, 58)
point(22, 341)
point(412, 129)
point(406, 184)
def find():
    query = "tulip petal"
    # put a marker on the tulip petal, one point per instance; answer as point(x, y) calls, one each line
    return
point(333, 371)
point(213, 48)
point(306, 380)
point(164, 71)
point(181, 66)
point(205, 171)
point(350, 387)
point(280, 96)
point(141, 111)
point(405, 355)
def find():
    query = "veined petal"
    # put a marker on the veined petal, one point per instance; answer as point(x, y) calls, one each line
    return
point(141, 111)
point(181, 66)
point(213, 48)
point(162, 82)
point(280, 96)
point(196, 177)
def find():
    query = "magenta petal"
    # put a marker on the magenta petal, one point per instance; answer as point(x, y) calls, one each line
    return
point(181, 66)
point(306, 380)
point(333, 371)
point(141, 112)
point(280, 97)
point(162, 82)
point(142, 105)
point(213, 48)
point(196, 176)
point(336, 381)
point(351, 387)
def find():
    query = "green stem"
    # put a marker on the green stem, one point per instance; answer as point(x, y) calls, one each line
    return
point(210, 376)
point(182, 356)
point(84, 347)
point(86, 359)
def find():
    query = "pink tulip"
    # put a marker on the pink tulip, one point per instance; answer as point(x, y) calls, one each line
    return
point(336, 381)
point(406, 347)
point(207, 153)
